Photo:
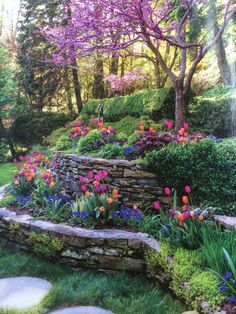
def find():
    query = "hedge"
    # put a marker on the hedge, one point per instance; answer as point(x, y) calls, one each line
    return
point(209, 167)
point(32, 128)
point(155, 104)
point(212, 112)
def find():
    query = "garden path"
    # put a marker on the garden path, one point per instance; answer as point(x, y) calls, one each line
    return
point(22, 292)
point(82, 310)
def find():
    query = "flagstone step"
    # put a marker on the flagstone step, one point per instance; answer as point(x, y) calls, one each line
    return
point(22, 292)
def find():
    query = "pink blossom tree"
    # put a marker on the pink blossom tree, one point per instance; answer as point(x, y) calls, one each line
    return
point(109, 26)
point(127, 83)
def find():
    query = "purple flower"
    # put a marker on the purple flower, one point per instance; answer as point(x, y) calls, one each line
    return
point(231, 299)
point(228, 276)
point(223, 289)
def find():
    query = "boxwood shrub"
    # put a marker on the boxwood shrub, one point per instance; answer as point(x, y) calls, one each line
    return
point(156, 104)
point(212, 112)
point(209, 167)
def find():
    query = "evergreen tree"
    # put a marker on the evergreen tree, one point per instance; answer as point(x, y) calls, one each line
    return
point(40, 80)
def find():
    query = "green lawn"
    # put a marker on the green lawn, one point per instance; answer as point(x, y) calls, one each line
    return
point(6, 171)
point(120, 293)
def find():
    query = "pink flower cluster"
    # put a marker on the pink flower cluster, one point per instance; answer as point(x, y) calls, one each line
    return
point(120, 84)
point(93, 182)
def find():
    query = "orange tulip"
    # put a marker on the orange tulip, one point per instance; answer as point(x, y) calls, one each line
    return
point(87, 194)
point(115, 194)
point(52, 184)
point(141, 128)
point(185, 200)
point(181, 217)
point(109, 201)
point(200, 217)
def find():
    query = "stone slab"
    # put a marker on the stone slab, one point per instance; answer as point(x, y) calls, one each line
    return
point(82, 310)
point(22, 292)
point(225, 221)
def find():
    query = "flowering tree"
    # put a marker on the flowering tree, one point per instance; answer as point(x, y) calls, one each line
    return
point(126, 83)
point(111, 25)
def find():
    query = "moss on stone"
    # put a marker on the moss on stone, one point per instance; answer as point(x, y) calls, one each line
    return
point(45, 244)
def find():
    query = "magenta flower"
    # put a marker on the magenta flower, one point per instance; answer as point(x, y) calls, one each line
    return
point(186, 126)
point(188, 189)
point(172, 212)
point(167, 191)
point(84, 188)
point(156, 205)
point(90, 175)
point(83, 180)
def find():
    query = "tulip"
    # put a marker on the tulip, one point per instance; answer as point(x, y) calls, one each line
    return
point(109, 201)
point(167, 191)
point(187, 189)
point(185, 200)
point(200, 217)
point(156, 205)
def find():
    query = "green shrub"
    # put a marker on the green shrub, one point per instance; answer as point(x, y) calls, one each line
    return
point(7, 200)
point(211, 113)
point(112, 151)
point(4, 151)
point(156, 104)
point(55, 135)
point(32, 128)
point(64, 143)
point(88, 144)
point(210, 169)
point(204, 286)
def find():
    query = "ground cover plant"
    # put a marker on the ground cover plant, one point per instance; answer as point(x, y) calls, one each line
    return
point(70, 288)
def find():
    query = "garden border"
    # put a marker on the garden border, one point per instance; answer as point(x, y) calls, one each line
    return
point(107, 249)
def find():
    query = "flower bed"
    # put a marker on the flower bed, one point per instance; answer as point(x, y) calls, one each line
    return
point(114, 250)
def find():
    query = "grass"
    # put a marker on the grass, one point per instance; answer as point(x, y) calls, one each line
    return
point(6, 172)
point(120, 293)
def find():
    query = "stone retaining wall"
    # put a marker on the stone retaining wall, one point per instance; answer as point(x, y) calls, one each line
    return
point(135, 185)
point(100, 249)
point(109, 250)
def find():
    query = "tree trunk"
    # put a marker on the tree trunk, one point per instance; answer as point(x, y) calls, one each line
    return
point(180, 107)
point(68, 92)
point(98, 86)
point(220, 49)
point(222, 61)
point(79, 102)
point(114, 65)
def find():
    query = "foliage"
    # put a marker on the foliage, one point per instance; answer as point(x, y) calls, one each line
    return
point(52, 139)
point(90, 143)
point(205, 286)
point(228, 281)
point(155, 104)
point(45, 244)
point(149, 224)
point(213, 239)
point(39, 81)
point(188, 164)
point(7, 200)
point(183, 269)
point(112, 151)
point(32, 128)
point(4, 151)
point(64, 143)
point(212, 113)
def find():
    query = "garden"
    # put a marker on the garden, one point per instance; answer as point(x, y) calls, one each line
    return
point(118, 157)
